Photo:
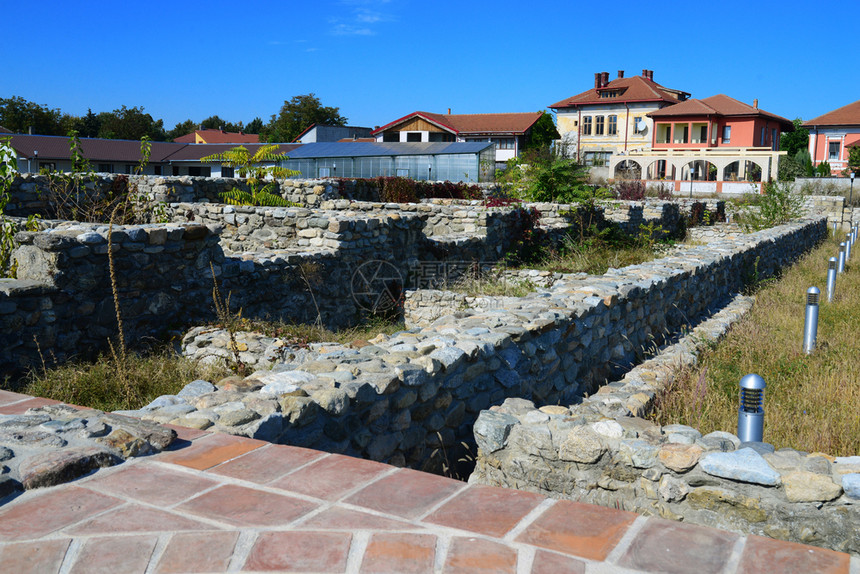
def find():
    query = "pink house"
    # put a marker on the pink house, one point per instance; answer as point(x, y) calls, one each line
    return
point(723, 143)
point(715, 122)
point(831, 136)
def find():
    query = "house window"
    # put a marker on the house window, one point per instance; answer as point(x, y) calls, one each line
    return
point(199, 171)
point(636, 129)
point(402, 172)
point(413, 136)
point(833, 151)
point(612, 129)
point(47, 166)
point(682, 133)
point(504, 143)
point(774, 141)
point(105, 168)
point(597, 158)
point(129, 168)
point(324, 172)
point(598, 125)
point(441, 137)
point(664, 133)
point(228, 171)
point(175, 170)
point(727, 134)
point(586, 126)
point(391, 137)
point(156, 170)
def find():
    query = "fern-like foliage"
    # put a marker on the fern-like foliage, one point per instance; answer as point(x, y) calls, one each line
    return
point(251, 165)
point(256, 196)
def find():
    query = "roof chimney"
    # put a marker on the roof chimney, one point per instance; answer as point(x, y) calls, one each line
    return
point(651, 75)
point(597, 78)
point(449, 111)
point(644, 73)
point(620, 74)
point(605, 79)
point(755, 103)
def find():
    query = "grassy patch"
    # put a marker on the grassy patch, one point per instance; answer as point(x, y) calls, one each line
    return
point(810, 401)
point(595, 257)
point(494, 286)
point(99, 384)
point(302, 334)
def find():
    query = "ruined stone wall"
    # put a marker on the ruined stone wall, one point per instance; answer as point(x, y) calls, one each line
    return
point(401, 399)
point(62, 296)
point(603, 451)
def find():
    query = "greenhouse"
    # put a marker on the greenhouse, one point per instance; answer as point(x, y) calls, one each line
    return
point(453, 161)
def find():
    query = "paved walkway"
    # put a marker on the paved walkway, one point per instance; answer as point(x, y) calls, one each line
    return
point(219, 503)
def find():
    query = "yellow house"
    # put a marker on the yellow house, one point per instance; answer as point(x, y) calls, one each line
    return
point(612, 117)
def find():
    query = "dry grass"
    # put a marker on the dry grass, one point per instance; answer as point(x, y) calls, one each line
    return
point(812, 403)
point(304, 333)
point(98, 384)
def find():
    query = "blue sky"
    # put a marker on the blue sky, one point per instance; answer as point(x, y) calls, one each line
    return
point(380, 60)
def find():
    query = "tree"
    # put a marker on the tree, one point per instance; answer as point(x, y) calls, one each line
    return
point(253, 166)
point(130, 124)
point(216, 123)
point(181, 129)
point(254, 126)
point(19, 115)
point(544, 132)
point(297, 115)
point(792, 142)
point(853, 160)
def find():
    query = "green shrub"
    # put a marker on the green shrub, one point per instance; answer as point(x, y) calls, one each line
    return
point(778, 204)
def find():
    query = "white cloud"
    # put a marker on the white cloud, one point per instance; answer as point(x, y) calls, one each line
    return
point(360, 20)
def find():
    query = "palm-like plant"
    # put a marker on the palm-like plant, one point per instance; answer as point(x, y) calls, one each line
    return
point(252, 167)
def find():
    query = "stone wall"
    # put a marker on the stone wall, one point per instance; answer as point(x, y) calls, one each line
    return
point(401, 399)
point(708, 233)
point(63, 297)
point(602, 451)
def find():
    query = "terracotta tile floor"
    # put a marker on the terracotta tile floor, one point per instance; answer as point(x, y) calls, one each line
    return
point(227, 504)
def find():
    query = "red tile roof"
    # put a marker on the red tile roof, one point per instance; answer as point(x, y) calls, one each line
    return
point(218, 136)
point(632, 89)
point(719, 105)
point(845, 116)
point(467, 124)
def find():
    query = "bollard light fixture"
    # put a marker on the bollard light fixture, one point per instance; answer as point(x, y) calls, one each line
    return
point(751, 409)
point(831, 278)
point(840, 267)
point(847, 248)
point(810, 325)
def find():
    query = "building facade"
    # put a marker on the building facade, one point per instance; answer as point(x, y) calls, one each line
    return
point(718, 140)
point(509, 133)
point(612, 117)
point(832, 135)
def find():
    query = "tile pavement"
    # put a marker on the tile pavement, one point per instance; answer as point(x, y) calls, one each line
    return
point(219, 503)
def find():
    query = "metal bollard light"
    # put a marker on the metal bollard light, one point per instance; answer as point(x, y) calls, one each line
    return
point(751, 409)
point(831, 278)
point(840, 267)
point(810, 325)
point(847, 248)
point(834, 229)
